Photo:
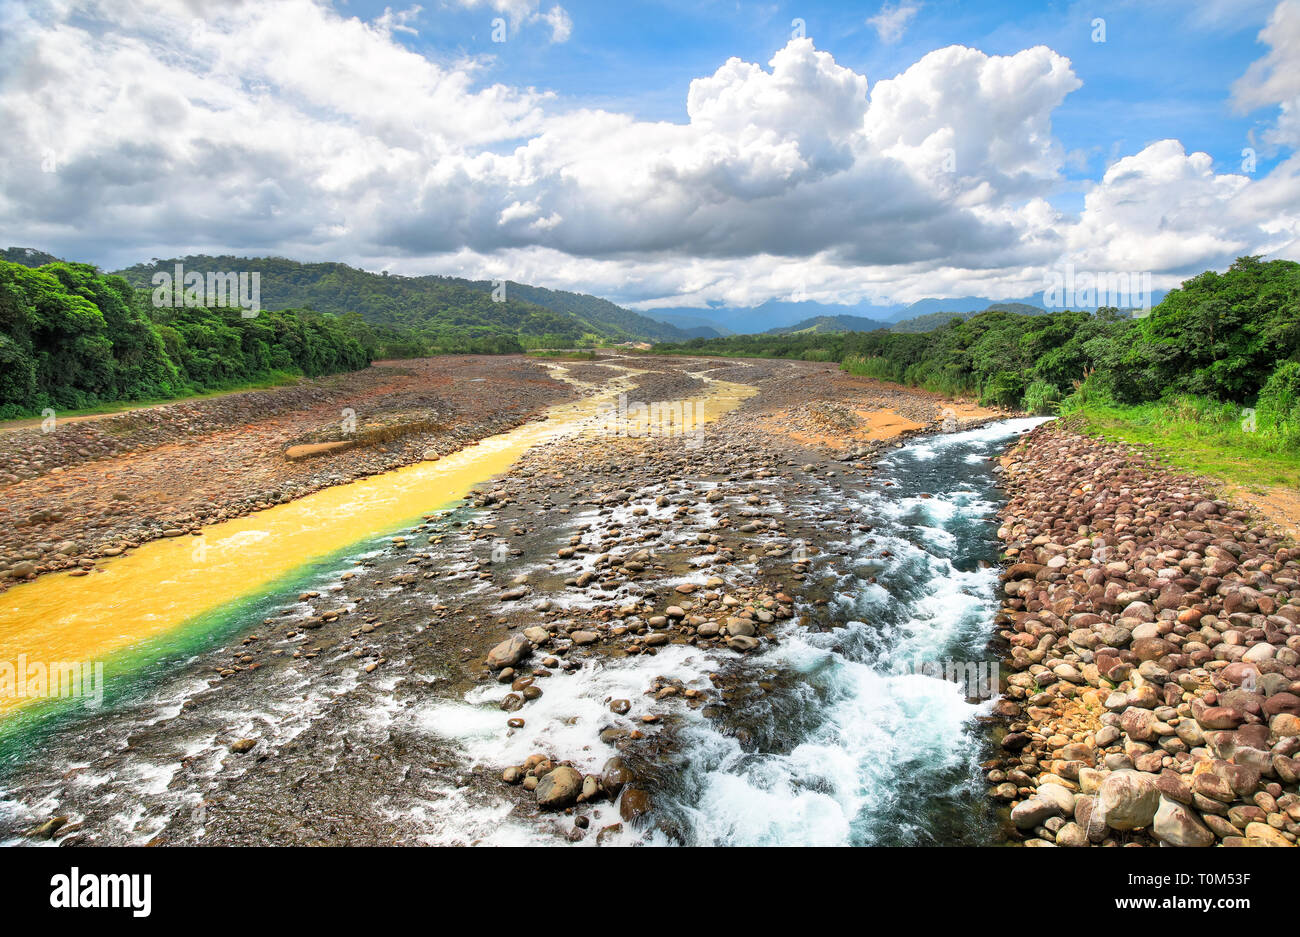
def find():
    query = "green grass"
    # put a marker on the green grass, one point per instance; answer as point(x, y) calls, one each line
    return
point(1199, 436)
point(275, 379)
point(560, 353)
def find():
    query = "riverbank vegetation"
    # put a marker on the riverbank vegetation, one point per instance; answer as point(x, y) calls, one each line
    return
point(1216, 363)
point(73, 338)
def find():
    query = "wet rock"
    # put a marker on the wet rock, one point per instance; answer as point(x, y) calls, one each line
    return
point(614, 775)
point(559, 788)
point(47, 829)
point(633, 804)
point(509, 652)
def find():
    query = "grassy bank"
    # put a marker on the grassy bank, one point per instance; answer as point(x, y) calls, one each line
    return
point(1197, 435)
point(275, 379)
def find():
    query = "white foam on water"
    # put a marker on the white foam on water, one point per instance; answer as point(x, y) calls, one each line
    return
point(825, 790)
point(852, 778)
point(564, 723)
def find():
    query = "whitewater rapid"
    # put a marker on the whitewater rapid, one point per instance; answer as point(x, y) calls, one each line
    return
point(857, 741)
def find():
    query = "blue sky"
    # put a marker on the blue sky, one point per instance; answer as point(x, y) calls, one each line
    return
point(667, 155)
point(1165, 68)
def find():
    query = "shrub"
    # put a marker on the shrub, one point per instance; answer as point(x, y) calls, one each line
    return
point(1004, 389)
point(1278, 411)
point(1041, 397)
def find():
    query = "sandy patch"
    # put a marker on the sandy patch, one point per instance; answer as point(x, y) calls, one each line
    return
point(294, 453)
point(849, 426)
point(1278, 505)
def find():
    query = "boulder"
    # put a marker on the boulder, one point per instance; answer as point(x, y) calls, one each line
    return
point(509, 652)
point(1128, 800)
point(559, 788)
point(1178, 825)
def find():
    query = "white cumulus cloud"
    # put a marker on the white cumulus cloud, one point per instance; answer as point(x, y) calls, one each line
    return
point(293, 129)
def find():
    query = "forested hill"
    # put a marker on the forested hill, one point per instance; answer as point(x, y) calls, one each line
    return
point(598, 311)
point(27, 256)
point(818, 324)
point(921, 323)
point(441, 312)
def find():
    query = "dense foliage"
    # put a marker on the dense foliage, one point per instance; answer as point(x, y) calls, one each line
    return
point(1232, 338)
point(412, 316)
point(72, 337)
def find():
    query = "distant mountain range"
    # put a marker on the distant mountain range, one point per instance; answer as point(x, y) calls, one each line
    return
point(924, 322)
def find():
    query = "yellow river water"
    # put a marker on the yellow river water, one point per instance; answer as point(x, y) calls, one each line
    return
point(159, 586)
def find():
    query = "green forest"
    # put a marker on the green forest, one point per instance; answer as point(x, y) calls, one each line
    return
point(1221, 342)
point(414, 316)
point(73, 338)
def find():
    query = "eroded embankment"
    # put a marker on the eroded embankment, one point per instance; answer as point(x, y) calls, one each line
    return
point(1153, 637)
point(95, 489)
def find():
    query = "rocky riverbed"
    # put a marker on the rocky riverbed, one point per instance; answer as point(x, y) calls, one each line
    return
point(576, 617)
point(1152, 637)
point(712, 635)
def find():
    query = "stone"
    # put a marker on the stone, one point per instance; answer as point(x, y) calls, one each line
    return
point(614, 775)
point(1033, 812)
point(47, 829)
point(1071, 834)
point(559, 787)
point(1178, 825)
point(1058, 796)
point(509, 652)
point(634, 803)
point(740, 627)
point(1128, 800)
point(1261, 834)
point(1138, 724)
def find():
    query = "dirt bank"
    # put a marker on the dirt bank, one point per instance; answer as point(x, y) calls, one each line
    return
point(94, 489)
